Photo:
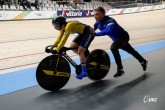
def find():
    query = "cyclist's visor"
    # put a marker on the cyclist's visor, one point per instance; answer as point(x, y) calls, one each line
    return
point(56, 25)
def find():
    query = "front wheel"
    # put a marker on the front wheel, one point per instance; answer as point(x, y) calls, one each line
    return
point(98, 64)
point(50, 78)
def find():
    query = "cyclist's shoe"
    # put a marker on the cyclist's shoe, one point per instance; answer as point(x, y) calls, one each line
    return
point(144, 64)
point(81, 75)
point(120, 72)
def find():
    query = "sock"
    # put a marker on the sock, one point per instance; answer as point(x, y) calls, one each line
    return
point(83, 66)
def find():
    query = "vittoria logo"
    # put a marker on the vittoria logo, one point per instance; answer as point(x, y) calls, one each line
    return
point(71, 13)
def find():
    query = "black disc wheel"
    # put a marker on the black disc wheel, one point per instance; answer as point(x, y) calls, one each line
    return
point(53, 73)
point(98, 64)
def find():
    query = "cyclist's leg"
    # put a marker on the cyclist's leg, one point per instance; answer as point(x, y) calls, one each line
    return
point(82, 50)
point(86, 53)
point(83, 59)
point(75, 43)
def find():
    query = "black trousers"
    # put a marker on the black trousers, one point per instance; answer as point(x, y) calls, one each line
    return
point(122, 43)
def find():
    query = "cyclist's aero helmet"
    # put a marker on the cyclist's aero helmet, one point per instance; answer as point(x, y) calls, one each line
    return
point(58, 21)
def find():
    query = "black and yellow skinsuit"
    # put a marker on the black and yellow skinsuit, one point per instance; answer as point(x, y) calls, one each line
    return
point(83, 39)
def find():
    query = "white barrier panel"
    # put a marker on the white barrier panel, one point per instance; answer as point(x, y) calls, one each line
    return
point(157, 7)
point(130, 10)
point(9, 15)
point(40, 14)
point(135, 10)
point(146, 8)
point(20, 15)
point(114, 11)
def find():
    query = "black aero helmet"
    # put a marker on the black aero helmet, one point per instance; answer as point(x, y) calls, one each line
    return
point(58, 21)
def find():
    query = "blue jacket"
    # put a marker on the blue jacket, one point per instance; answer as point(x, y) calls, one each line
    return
point(108, 26)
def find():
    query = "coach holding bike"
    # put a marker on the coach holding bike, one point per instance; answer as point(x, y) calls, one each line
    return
point(109, 26)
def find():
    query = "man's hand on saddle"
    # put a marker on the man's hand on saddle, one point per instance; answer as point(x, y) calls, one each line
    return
point(92, 31)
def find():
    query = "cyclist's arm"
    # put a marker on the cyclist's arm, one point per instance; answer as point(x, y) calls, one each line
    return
point(63, 41)
point(106, 31)
point(59, 38)
point(65, 36)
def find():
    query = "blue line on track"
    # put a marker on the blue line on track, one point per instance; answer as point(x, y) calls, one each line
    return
point(14, 81)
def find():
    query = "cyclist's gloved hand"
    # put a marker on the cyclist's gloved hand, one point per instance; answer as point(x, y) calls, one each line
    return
point(52, 47)
point(54, 52)
point(49, 49)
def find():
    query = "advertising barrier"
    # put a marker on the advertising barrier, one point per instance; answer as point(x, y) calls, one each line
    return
point(114, 11)
point(9, 15)
point(27, 15)
point(40, 15)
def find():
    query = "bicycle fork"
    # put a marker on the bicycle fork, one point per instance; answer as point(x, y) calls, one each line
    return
point(59, 73)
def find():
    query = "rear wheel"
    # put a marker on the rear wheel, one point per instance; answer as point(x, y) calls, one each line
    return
point(98, 64)
point(49, 78)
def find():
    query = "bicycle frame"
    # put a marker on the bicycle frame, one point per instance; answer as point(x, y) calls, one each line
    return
point(73, 63)
point(96, 66)
point(69, 59)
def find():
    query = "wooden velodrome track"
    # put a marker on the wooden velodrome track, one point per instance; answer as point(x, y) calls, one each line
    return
point(22, 43)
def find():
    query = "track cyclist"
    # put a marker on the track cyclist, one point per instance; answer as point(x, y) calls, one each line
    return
point(81, 41)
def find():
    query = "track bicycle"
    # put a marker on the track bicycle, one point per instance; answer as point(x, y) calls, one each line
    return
point(54, 71)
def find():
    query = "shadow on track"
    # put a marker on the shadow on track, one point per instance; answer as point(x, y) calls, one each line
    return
point(96, 95)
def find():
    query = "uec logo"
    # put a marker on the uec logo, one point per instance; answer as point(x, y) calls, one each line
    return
point(148, 99)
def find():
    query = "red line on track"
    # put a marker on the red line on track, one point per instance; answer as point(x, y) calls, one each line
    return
point(20, 56)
